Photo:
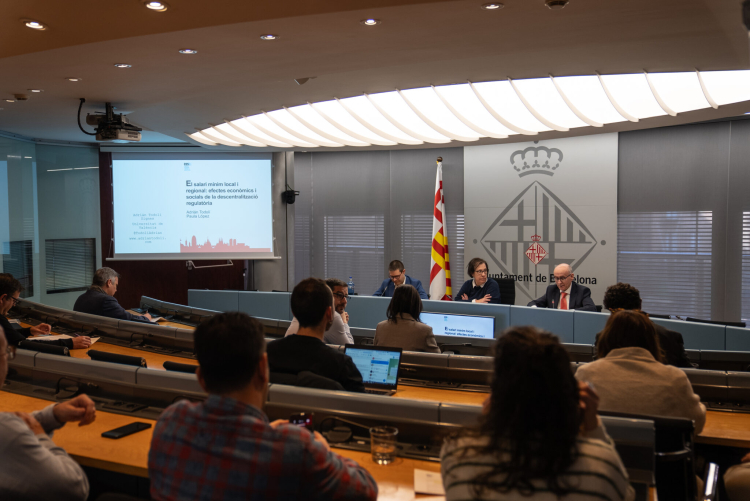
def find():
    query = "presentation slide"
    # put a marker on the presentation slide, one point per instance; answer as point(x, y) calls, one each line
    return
point(444, 324)
point(192, 209)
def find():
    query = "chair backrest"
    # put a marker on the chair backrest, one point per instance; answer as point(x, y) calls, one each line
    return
point(306, 379)
point(507, 290)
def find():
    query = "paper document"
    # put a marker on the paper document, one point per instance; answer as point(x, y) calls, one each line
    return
point(428, 482)
point(155, 319)
point(59, 336)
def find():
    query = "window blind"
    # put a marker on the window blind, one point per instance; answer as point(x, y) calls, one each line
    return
point(71, 264)
point(416, 245)
point(354, 245)
point(746, 266)
point(302, 247)
point(667, 256)
point(19, 262)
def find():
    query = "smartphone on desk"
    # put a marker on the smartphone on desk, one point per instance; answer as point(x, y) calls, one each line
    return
point(303, 419)
point(128, 429)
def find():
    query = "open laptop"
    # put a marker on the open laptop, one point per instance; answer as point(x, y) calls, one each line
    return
point(379, 366)
point(457, 325)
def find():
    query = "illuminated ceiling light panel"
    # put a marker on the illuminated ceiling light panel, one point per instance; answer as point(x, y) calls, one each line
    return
point(541, 94)
point(727, 87)
point(428, 106)
point(291, 125)
point(588, 96)
point(365, 112)
point(634, 95)
point(316, 123)
point(501, 97)
point(469, 112)
point(335, 114)
point(393, 107)
point(680, 91)
point(462, 101)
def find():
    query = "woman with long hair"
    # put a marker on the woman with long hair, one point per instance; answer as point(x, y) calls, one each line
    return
point(539, 437)
point(403, 328)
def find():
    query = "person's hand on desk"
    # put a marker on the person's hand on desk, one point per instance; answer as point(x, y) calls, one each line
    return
point(147, 315)
point(31, 422)
point(81, 342)
point(40, 330)
point(485, 299)
point(318, 437)
point(81, 409)
point(746, 458)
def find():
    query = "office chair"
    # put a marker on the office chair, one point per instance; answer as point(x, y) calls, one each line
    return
point(306, 379)
point(507, 290)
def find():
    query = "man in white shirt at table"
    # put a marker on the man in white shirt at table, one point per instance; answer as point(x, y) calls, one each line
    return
point(339, 333)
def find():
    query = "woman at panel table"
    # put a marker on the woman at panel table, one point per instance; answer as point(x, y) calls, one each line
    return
point(403, 328)
point(481, 288)
point(539, 437)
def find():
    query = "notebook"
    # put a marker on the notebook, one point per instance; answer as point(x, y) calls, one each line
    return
point(379, 366)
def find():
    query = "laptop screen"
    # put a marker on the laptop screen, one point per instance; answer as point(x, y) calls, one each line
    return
point(446, 324)
point(378, 366)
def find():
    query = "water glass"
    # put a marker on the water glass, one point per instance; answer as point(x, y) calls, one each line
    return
point(383, 444)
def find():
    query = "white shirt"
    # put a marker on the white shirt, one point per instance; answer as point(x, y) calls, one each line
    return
point(338, 334)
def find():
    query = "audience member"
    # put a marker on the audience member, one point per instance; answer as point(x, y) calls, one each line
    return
point(33, 466)
point(10, 291)
point(225, 447)
point(737, 480)
point(481, 288)
point(339, 332)
point(630, 377)
point(305, 351)
point(403, 328)
point(99, 298)
point(540, 436)
point(623, 296)
point(565, 293)
point(398, 277)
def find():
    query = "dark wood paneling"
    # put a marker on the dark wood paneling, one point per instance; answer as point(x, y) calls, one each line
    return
point(165, 280)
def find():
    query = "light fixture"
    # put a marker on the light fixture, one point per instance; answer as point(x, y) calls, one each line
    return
point(34, 25)
point(556, 4)
point(156, 6)
point(74, 79)
point(26, 157)
point(122, 65)
point(188, 51)
point(35, 90)
point(471, 111)
point(269, 37)
point(9, 101)
point(493, 6)
point(370, 22)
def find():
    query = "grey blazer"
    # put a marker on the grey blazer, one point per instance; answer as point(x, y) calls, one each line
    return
point(407, 334)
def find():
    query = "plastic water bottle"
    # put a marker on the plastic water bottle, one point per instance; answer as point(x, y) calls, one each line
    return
point(351, 286)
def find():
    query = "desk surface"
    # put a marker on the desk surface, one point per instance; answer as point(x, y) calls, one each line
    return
point(87, 446)
point(731, 429)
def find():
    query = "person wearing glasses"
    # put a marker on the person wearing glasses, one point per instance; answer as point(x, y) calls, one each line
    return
point(339, 333)
point(565, 293)
point(10, 290)
point(33, 466)
point(481, 288)
point(398, 277)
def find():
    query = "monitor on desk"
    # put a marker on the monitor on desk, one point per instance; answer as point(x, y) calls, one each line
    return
point(460, 326)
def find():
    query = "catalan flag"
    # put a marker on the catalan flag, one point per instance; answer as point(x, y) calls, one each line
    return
point(440, 268)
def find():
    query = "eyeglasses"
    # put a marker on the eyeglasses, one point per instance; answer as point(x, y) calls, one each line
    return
point(394, 277)
point(480, 272)
point(341, 295)
point(560, 279)
point(11, 351)
point(15, 301)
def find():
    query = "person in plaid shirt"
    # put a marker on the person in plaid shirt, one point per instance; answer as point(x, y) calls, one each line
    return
point(225, 448)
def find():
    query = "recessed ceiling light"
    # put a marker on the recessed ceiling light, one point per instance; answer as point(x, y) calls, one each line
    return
point(34, 25)
point(493, 6)
point(157, 6)
point(188, 51)
point(26, 157)
point(74, 79)
point(269, 37)
point(370, 22)
point(556, 4)
point(36, 90)
point(122, 65)
point(9, 101)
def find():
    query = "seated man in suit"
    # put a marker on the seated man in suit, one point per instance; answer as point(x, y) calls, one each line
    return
point(226, 448)
point(10, 291)
point(565, 293)
point(100, 300)
point(305, 351)
point(623, 296)
point(398, 277)
point(339, 332)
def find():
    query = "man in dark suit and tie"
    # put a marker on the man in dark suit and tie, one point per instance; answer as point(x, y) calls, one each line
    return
point(565, 293)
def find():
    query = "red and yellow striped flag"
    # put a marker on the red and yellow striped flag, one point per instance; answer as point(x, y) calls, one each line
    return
point(440, 268)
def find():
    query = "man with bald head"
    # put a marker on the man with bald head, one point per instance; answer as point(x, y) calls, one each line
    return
point(565, 293)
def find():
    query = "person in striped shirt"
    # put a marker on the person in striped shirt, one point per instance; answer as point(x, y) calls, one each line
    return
point(539, 437)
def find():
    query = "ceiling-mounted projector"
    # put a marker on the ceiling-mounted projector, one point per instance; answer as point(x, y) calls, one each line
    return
point(110, 126)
